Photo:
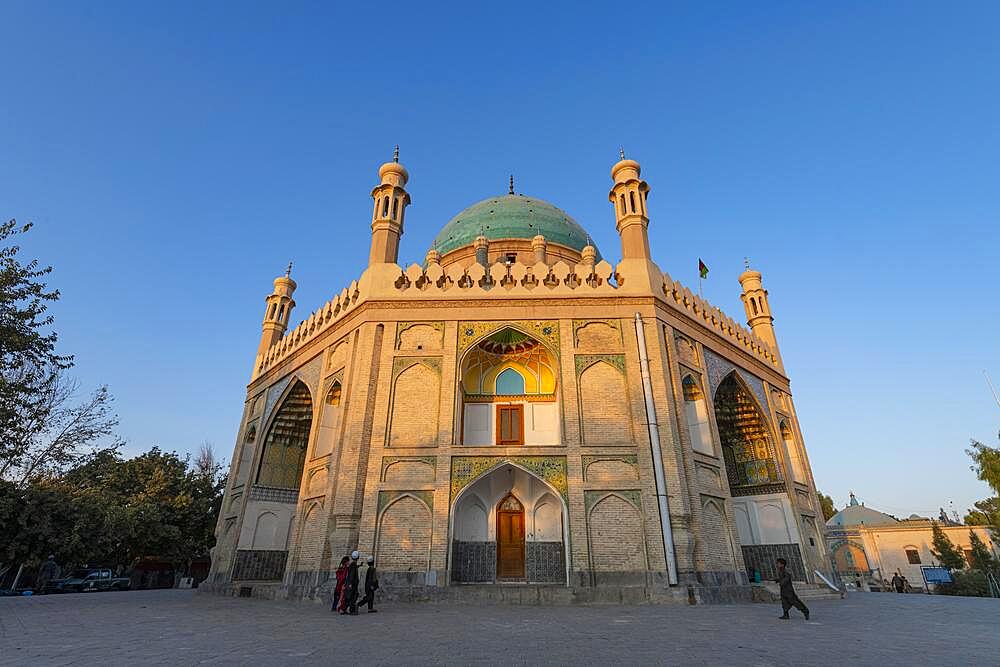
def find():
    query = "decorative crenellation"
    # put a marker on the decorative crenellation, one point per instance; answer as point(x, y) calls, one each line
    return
point(585, 361)
point(516, 279)
point(400, 364)
point(546, 331)
point(590, 498)
point(320, 320)
point(552, 469)
point(712, 317)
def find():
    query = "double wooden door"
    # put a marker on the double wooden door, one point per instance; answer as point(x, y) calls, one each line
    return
point(510, 539)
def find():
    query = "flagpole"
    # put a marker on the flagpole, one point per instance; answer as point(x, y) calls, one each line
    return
point(700, 280)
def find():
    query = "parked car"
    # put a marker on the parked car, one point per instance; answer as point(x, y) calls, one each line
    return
point(88, 579)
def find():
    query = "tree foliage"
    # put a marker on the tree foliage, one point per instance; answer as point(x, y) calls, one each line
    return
point(113, 510)
point(944, 550)
point(986, 463)
point(982, 558)
point(42, 427)
point(826, 505)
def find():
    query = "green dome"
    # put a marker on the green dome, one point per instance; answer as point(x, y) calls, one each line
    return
point(511, 217)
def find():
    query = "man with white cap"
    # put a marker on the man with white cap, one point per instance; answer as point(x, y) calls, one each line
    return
point(352, 585)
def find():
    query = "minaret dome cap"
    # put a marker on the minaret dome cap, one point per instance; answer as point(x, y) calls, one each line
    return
point(625, 164)
point(393, 168)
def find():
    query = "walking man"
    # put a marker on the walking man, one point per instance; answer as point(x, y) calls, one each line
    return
point(897, 583)
point(788, 597)
point(371, 585)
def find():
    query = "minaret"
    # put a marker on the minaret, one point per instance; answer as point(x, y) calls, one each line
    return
point(628, 195)
point(391, 200)
point(754, 299)
point(278, 311)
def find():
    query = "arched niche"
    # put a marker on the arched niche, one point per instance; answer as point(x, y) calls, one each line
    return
point(508, 390)
point(284, 455)
point(504, 502)
point(745, 438)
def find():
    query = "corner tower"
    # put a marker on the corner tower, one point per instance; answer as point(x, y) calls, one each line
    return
point(278, 311)
point(758, 310)
point(391, 200)
point(628, 195)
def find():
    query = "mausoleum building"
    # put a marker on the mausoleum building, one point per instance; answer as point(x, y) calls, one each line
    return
point(518, 409)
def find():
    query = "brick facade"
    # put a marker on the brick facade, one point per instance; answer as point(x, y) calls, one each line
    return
point(379, 469)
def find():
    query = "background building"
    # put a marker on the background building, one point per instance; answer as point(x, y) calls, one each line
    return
point(517, 409)
point(869, 546)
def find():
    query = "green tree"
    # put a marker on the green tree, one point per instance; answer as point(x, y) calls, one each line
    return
point(986, 513)
point(982, 558)
point(826, 505)
point(944, 550)
point(29, 365)
point(986, 463)
point(43, 429)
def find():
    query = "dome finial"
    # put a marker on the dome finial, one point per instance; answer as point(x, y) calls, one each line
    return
point(746, 263)
point(511, 190)
point(395, 154)
point(621, 152)
point(288, 271)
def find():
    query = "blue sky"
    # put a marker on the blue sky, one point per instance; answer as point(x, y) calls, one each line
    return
point(175, 156)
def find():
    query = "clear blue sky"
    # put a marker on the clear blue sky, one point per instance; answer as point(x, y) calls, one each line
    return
point(175, 156)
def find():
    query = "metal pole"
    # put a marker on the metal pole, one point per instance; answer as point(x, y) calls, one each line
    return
point(654, 440)
point(995, 397)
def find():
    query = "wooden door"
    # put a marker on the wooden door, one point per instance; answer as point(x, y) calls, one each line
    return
point(510, 539)
point(510, 424)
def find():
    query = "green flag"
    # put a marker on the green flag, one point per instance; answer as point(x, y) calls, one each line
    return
point(702, 269)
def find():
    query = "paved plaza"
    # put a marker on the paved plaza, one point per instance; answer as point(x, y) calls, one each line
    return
point(184, 628)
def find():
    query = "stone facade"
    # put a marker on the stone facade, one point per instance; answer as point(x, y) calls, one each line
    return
point(486, 411)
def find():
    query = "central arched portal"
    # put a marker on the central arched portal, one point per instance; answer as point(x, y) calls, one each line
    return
point(508, 526)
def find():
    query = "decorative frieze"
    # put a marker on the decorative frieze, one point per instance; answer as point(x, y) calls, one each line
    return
point(590, 498)
point(546, 331)
point(718, 368)
point(585, 361)
point(552, 469)
point(274, 495)
point(399, 364)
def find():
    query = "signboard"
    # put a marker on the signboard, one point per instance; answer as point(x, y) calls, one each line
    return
point(935, 575)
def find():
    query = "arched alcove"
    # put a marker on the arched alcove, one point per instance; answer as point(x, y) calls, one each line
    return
point(508, 391)
point(745, 438)
point(696, 414)
point(287, 439)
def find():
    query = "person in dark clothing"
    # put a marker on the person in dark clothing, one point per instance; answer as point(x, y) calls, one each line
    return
point(371, 585)
point(338, 591)
point(46, 573)
point(788, 597)
point(351, 588)
point(897, 583)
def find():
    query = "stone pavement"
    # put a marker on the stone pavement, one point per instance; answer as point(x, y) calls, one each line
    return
point(184, 628)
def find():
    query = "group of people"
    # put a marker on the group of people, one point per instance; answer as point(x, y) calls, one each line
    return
point(900, 584)
point(345, 595)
